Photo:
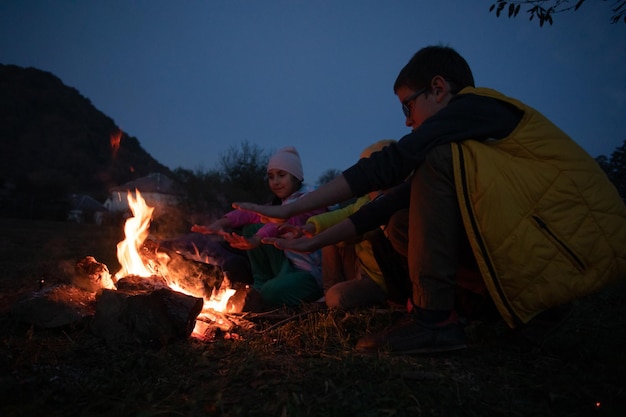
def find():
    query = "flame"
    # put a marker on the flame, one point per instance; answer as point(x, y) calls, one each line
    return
point(116, 138)
point(219, 298)
point(136, 231)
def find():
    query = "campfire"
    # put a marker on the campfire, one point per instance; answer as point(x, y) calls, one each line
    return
point(154, 298)
point(136, 231)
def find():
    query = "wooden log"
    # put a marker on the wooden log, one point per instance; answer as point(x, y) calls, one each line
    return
point(191, 276)
point(150, 318)
point(91, 275)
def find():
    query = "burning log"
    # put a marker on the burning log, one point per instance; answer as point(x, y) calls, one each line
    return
point(148, 316)
point(91, 275)
point(134, 283)
point(190, 276)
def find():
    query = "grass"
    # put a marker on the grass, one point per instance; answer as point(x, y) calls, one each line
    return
point(306, 366)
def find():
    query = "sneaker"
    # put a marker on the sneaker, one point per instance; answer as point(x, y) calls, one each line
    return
point(415, 337)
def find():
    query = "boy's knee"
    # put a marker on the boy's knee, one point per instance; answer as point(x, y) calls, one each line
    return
point(397, 231)
point(334, 298)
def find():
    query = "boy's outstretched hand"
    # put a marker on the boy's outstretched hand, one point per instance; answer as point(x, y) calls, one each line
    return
point(269, 214)
point(301, 244)
point(291, 231)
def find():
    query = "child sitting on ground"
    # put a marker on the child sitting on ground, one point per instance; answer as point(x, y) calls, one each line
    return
point(282, 277)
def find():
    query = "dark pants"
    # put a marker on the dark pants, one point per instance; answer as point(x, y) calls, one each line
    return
point(432, 237)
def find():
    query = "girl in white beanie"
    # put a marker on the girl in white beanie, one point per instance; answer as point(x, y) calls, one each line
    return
point(282, 277)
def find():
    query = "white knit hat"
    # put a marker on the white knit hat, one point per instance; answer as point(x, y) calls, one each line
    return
point(287, 159)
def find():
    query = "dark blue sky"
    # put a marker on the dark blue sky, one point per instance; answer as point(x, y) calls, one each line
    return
point(190, 78)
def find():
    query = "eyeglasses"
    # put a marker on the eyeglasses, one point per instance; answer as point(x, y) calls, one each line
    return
point(405, 104)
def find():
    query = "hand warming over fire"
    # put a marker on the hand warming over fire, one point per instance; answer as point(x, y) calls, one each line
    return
point(269, 214)
point(198, 228)
point(301, 244)
point(240, 242)
point(217, 227)
point(291, 231)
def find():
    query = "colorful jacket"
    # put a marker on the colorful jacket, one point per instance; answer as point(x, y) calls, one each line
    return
point(311, 262)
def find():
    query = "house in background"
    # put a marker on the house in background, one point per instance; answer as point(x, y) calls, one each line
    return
point(156, 189)
point(84, 208)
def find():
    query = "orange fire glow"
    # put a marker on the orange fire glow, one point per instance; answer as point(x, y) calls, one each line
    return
point(116, 138)
point(136, 230)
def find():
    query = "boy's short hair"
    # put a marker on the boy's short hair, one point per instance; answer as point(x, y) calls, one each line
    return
point(431, 61)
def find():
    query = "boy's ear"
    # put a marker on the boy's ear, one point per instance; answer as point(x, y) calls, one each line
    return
point(440, 88)
point(438, 84)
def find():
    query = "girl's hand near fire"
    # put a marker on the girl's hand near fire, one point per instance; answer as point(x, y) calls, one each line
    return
point(199, 228)
point(269, 214)
point(218, 227)
point(240, 242)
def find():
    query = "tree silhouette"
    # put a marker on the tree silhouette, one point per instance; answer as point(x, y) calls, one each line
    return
point(244, 169)
point(204, 195)
point(544, 9)
point(328, 175)
point(615, 168)
point(240, 176)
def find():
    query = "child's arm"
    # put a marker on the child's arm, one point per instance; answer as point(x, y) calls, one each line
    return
point(327, 219)
point(240, 242)
point(334, 191)
point(219, 227)
point(292, 231)
point(341, 231)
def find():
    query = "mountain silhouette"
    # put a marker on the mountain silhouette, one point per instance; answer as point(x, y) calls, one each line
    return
point(55, 143)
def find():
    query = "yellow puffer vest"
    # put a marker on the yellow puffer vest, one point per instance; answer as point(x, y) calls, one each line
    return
point(545, 224)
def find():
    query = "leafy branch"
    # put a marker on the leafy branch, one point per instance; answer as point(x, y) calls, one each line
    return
point(544, 9)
